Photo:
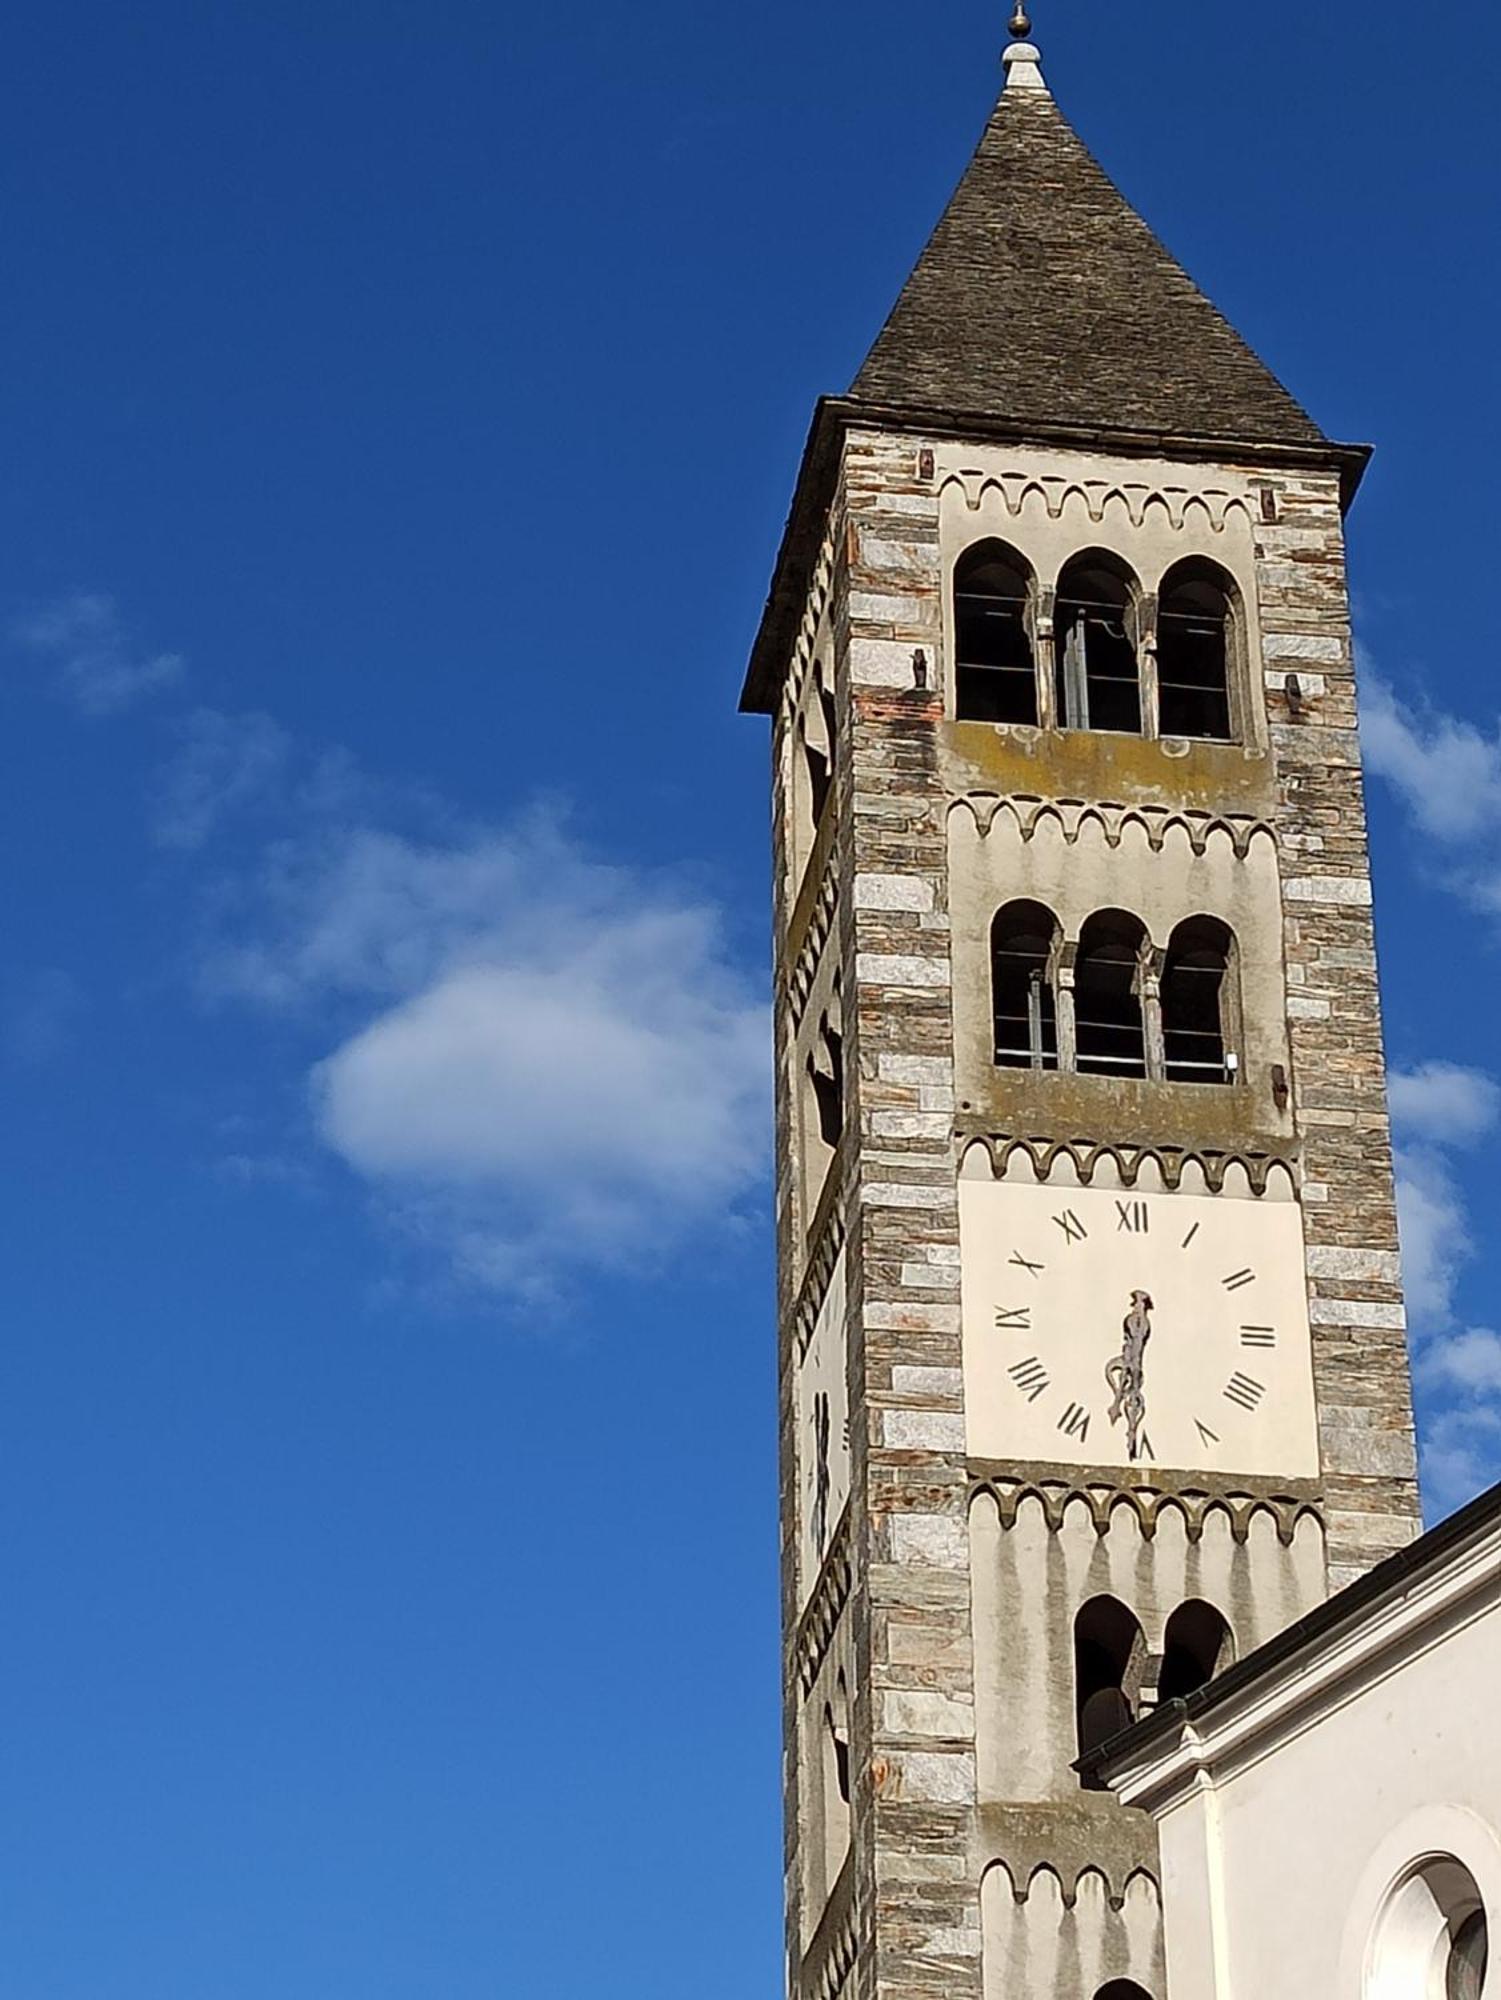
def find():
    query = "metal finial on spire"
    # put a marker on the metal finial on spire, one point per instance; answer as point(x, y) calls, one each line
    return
point(1021, 21)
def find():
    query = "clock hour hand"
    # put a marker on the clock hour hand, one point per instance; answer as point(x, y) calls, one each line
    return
point(1126, 1375)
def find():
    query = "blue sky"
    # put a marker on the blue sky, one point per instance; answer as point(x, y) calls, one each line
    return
point(400, 407)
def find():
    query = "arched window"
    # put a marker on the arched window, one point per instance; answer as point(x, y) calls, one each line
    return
point(1197, 997)
point(826, 1074)
point(1094, 624)
point(1022, 943)
point(1195, 645)
point(995, 673)
point(1109, 1654)
point(818, 736)
point(1431, 1937)
point(1109, 1025)
point(837, 1729)
point(1123, 1989)
point(1196, 1647)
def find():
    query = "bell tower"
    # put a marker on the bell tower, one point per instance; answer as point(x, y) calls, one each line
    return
point(1093, 1372)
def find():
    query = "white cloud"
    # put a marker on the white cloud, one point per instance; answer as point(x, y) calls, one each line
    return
point(1447, 771)
point(1461, 1451)
point(540, 1060)
point(1436, 1239)
point(1445, 1104)
point(95, 667)
point(1439, 1109)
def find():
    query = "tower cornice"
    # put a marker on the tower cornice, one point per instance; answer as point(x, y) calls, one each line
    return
point(836, 416)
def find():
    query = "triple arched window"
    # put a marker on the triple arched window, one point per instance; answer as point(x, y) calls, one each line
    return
point(1096, 651)
point(1111, 1004)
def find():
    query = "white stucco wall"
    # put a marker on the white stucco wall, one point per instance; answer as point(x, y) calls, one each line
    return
point(1377, 1751)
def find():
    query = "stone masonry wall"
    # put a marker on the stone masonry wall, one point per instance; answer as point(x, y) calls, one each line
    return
point(905, 1923)
point(1334, 1007)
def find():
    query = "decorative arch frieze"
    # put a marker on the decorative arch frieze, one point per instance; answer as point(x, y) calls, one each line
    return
point(1066, 1884)
point(1152, 1169)
point(1150, 1506)
point(804, 971)
point(818, 1624)
point(807, 631)
point(1098, 500)
point(816, 1281)
point(1111, 823)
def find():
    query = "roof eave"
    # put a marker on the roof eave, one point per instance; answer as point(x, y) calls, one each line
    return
point(835, 415)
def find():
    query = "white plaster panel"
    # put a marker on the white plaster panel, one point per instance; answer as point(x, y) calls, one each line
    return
point(1049, 1276)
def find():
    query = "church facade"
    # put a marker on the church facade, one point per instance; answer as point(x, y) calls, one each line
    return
point(1093, 1364)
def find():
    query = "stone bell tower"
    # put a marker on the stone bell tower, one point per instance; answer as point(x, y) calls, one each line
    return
point(1093, 1367)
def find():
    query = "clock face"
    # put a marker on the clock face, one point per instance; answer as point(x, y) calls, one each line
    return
point(1103, 1327)
point(823, 1456)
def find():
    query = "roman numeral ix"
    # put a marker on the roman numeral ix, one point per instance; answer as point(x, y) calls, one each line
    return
point(1018, 1319)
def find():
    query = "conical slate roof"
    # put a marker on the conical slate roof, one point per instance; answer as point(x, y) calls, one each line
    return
point(1042, 296)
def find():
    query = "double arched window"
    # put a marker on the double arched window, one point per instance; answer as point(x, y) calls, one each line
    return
point(1119, 660)
point(1112, 1004)
point(996, 671)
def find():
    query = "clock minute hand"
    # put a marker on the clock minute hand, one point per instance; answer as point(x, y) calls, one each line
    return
point(1126, 1375)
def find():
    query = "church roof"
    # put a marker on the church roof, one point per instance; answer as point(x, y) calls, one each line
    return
point(1042, 295)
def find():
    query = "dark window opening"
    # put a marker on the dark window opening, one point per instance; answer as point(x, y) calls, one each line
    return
point(1193, 655)
point(819, 756)
point(1123, 1989)
point(1469, 1956)
point(1098, 674)
point(1108, 1652)
point(1196, 1647)
point(837, 1722)
point(1193, 1003)
point(1022, 940)
point(996, 676)
point(1109, 1027)
point(826, 1072)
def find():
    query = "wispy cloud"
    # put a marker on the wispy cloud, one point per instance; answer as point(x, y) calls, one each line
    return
point(223, 763)
point(93, 663)
point(536, 1059)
